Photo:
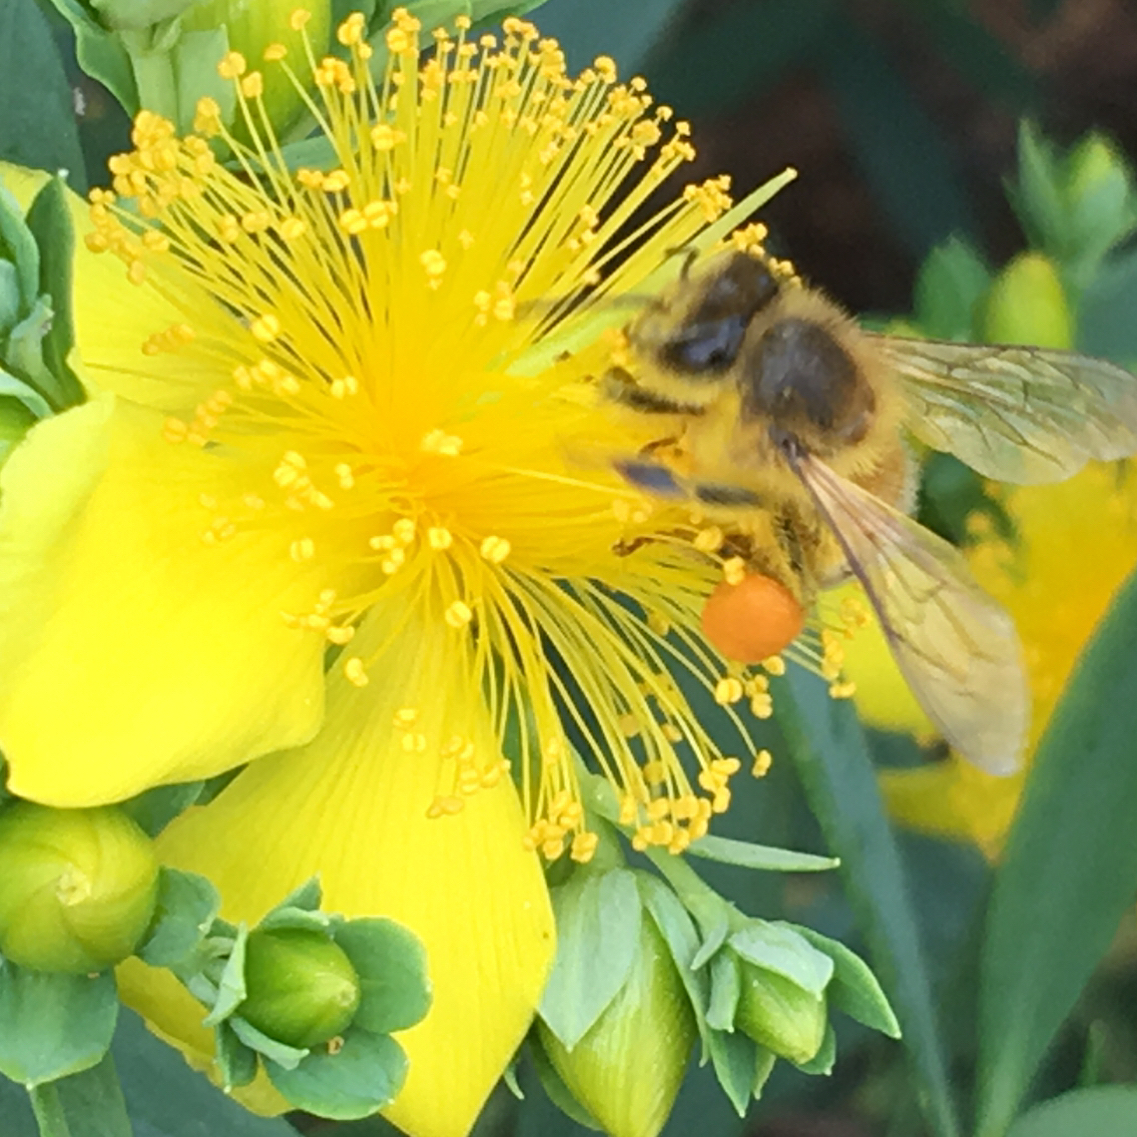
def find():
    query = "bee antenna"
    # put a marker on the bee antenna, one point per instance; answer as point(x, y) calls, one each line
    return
point(689, 254)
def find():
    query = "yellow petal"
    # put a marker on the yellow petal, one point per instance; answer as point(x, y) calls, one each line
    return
point(882, 697)
point(953, 799)
point(352, 807)
point(131, 652)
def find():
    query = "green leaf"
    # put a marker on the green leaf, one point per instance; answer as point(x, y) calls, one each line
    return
point(854, 988)
point(236, 1061)
point(1102, 1111)
point(298, 918)
point(1070, 866)
point(231, 990)
point(392, 967)
point(728, 851)
point(726, 989)
point(54, 1024)
point(37, 115)
point(780, 949)
point(735, 1060)
point(764, 1067)
point(187, 905)
point(1036, 196)
point(154, 809)
point(49, 220)
point(101, 54)
point(89, 1104)
point(308, 896)
point(831, 756)
point(11, 387)
point(952, 281)
point(598, 930)
point(285, 1056)
point(18, 245)
point(358, 1080)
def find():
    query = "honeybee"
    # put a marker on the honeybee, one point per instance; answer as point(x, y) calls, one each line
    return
point(771, 399)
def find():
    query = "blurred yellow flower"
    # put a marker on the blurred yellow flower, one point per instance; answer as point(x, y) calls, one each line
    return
point(328, 428)
point(1076, 543)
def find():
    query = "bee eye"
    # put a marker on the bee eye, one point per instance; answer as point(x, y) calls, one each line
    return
point(712, 330)
point(706, 347)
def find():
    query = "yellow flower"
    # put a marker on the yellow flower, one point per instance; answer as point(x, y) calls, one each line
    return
point(344, 415)
point(1076, 543)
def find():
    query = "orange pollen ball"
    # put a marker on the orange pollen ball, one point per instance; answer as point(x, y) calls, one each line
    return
point(752, 620)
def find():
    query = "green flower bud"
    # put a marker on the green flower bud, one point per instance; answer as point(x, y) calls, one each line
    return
point(302, 987)
point(1094, 167)
point(627, 1069)
point(252, 27)
point(780, 1015)
point(77, 887)
point(1027, 304)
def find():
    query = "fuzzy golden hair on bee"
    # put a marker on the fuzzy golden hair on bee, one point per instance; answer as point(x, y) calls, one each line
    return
point(775, 411)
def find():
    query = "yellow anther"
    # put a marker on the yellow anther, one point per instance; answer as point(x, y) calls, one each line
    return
point(763, 760)
point(265, 328)
point(495, 549)
point(354, 671)
point(298, 18)
point(671, 732)
point(762, 706)
point(629, 725)
point(340, 634)
point(439, 538)
point(658, 623)
point(275, 52)
point(584, 847)
point(439, 442)
point(174, 430)
point(302, 550)
point(232, 65)
point(403, 530)
point(728, 690)
point(253, 85)
point(734, 570)
point(459, 614)
point(344, 475)
point(775, 665)
point(342, 388)
point(708, 540)
point(434, 263)
point(844, 690)
point(393, 561)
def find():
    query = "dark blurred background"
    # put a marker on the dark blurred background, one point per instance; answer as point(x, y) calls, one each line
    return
point(900, 115)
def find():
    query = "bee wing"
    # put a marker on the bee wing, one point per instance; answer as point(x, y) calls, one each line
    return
point(956, 647)
point(1017, 414)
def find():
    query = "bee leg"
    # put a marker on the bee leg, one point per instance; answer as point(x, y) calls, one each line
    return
point(652, 478)
point(715, 493)
point(618, 386)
